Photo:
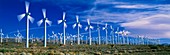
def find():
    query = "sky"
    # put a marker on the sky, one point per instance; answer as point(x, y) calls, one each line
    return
point(141, 17)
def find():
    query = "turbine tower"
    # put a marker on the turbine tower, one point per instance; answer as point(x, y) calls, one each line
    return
point(98, 29)
point(89, 27)
point(29, 18)
point(78, 27)
point(105, 28)
point(64, 27)
point(1, 34)
point(46, 21)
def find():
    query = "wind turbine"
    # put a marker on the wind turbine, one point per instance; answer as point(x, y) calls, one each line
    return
point(32, 38)
point(78, 27)
point(1, 35)
point(89, 27)
point(98, 29)
point(126, 33)
point(18, 36)
point(105, 28)
point(117, 32)
point(64, 27)
point(7, 37)
point(60, 34)
point(112, 33)
point(55, 36)
point(46, 21)
point(29, 18)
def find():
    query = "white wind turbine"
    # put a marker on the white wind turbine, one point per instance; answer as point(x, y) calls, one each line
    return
point(112, 33)
point(46, 21)
point(117, 32)
point(18, 36)
point(29, 18)
point(54, 36)
point(7, 37)
point(78, 27)
point(1, 34)
point(126, 33)
point(98, 29)
point(60, 34)
point(64, 27)
point(105, 28)
point(32, 38)
point(89, 27)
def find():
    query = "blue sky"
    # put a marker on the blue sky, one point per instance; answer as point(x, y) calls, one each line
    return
point(141, 17)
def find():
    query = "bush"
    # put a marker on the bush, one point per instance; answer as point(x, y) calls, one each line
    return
point(153, 47)
point(5, 50)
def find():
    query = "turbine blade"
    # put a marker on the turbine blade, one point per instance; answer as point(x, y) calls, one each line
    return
point(49, 22)
point(21, 16)
point(59, 21)
point(52, 32)
point(74, 25)
point(106, 25)
point(40, 22)
point(91, 27)
point(111, 27)
point(27, 6)
point(80, 25)
point(77, 18)
point(64, 14)
point(30, 18)
point(15, 35)
point(65, 25)
point(44, 13)
point(88, 21)
point(86, 28)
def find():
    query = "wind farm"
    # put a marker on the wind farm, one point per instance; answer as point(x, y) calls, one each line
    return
point(56, 29)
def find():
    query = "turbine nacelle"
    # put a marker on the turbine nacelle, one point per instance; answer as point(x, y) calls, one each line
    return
point(27, 13)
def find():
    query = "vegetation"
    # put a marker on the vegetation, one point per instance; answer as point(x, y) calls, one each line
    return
point(54, 49)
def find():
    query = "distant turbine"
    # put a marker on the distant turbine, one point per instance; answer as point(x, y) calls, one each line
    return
point(7, 37)
point(26, 14)
point(98, 29)
point(78, 27)
point(117, 32)
point(55, 36)
point(89, 27)
point(1, 35)
point(126, 33)
point(18, 36)
point(46, 21)
point(121, 39)
point(65, 25)
point(60, 34)
point(112, 33)
point(32, 37)
point(105, 28)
